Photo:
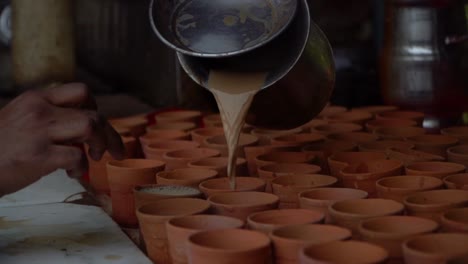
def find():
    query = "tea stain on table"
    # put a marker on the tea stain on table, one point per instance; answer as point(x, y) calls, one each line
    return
point(9, 224)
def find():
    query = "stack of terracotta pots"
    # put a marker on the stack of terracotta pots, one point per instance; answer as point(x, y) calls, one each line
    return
point(367, 185)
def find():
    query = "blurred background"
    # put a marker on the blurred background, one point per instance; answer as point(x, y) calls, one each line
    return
point(410, 53)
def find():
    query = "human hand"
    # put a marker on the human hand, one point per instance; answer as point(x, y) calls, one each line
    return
point(39, 130)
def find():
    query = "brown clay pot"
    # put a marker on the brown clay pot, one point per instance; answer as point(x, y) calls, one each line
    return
point(432, 204)
point(220, 165)
point(434, 144)
point(335, 128)
point(288, 187)
point(298, 139)
point(435, 248)
point(455, 220)
point(289, 240)
point(149, 193)
point(331, 110)
point(180, 229)
point(268, 221)
point(213, 120)
point(372, 125)
point(324, 150)
point(350, 213)
point(136, 124)
point(320, 199)
point(340, 160)
point(285, 157)
point(158, 135)
point(397, 188)
point(157, 149)
point(458, 154)
point(243, 246)
point(178, 116)
point(222, 185)
point(457, 181)
point(153, 217)
point(434, 168)
point(272, 171)
point(97, 169)
point(390, 232)
point(364, 175)
point(200, 134)
point(458, 132)
point(385, 145)
point(265, 135)
point(179, 159)
point(399, 133)
point(123, 176)
point(357, 117)
point(409, 156)
point(355, 137)
point(251, 153)
point(410, 115)
point(376, 109)
point(184, 126)
point(219, 143)
point(242, 204)
point(344, 252)
point(309, 126)
point(191, 177)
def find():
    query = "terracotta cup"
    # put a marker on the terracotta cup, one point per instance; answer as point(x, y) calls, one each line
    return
point(376, 109)
point(136, 124)
point(149, 193)
point(243, 246)
point(434, 144)
point(212, 120)
point(157, 149)
point(268, 221)
point(242, 204)
point(298, 139)
point(335, 128)
point(358, 117)
point(97, 170)
point(432, 204)
point(331, 110)
point(350, 213)
point(458, 154)
point(222, 185)
point(435, 248)
point(265, 135)
point(178, 159)
point(184, 126)
point(153, 217)
point(455, 220)
point(200, 134)
point(285, 157)
point(272, 171)
point(409, 156)
point(458, 132)
point(356, 252)
point(372, 125)
point(288, 187)
point(340, 160)
point(178, 116)
point(320, 199)
point(457, 181)
point(158, 135)
point(288, 241)
point(434, 168)
point(123, 176)
point(324, 150)
point(355, 137)
point(398, 133)
point(397, 188)
point(251, 154)
point(185, 177)
point(309, 126)
point(385, 145)
point(390, 232)
point(401, 114)
point(220, 165)
point(219, 143)
point(364, 175)
point(180, 229)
